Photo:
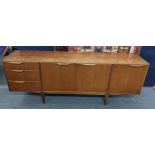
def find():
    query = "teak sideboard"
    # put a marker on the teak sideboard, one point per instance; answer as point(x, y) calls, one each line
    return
point(75, 73)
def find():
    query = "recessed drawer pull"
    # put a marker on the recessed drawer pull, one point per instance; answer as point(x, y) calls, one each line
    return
point(63, 64)
point(18, 81)
point(17, 63)
point(89, 64)
point(137, 65)
point(19, 71)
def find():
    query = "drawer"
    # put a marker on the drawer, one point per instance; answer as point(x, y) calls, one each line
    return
point(21, 65)
point(24, 86)
point(23, 75)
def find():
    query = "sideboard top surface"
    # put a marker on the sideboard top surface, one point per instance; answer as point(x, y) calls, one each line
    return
point(73, 57)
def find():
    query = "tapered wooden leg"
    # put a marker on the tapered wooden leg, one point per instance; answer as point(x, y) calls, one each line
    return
point(106, 99)
point(43, 97)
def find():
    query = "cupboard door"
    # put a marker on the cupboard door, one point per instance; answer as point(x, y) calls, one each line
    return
point(93, 77)
point(126, 79)
point(58, 77)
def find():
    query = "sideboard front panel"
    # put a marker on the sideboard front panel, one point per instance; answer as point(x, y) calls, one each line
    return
point(58, 77)
point(92, 77)
point(127, 79)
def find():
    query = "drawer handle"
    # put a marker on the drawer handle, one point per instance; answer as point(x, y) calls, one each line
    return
point(63, 64)
point(17, 63)
point(18, 81)
point(19, 71)
point(137, 65)
point(89, 64)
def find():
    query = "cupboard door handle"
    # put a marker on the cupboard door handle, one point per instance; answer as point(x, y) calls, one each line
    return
point(17, 63)
point(89, 64)
point(63, 64)
point(19, 71)
point(18, 81)
point(136, 65)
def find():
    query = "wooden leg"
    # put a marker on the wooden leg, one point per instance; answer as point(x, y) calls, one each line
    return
point(106, 99)
point(43, 97)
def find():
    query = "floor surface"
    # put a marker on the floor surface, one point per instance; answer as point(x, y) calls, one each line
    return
point(19, 100)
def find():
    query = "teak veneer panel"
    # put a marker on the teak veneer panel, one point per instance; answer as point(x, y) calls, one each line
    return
point(92, 78)
point(73, 57)
point(58, 77)
point(127, 79)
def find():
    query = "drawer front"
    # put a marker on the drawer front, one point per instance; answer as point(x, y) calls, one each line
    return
point(127, 79)
point(24, 86)
point(21, 65)
point(23, 75)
